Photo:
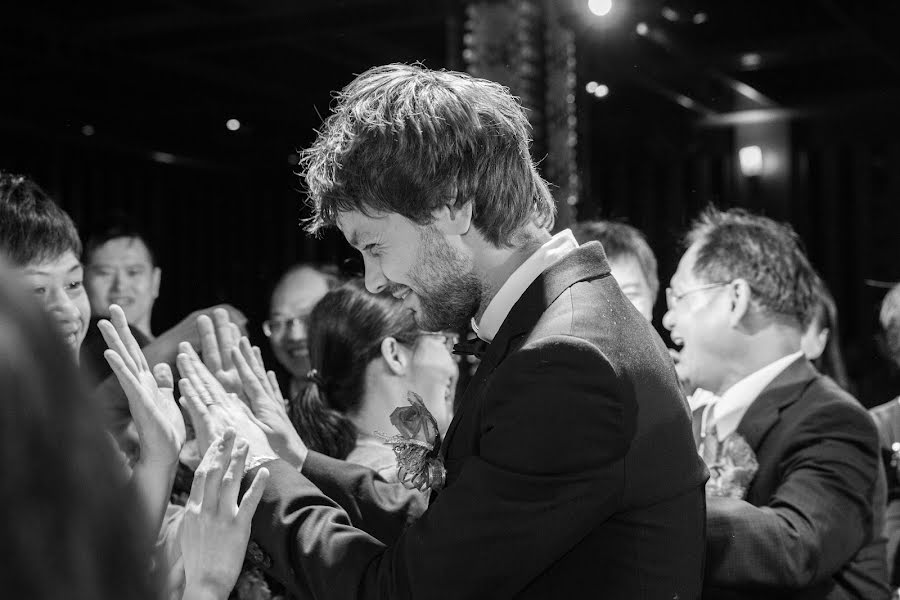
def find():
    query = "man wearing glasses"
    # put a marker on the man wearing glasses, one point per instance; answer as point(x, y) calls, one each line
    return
point(293, 298)
point(795, 497)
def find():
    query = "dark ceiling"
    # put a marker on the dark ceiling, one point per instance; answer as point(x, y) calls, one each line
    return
point(165, 76)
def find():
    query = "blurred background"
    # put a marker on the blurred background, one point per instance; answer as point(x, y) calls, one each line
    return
point(188, 115)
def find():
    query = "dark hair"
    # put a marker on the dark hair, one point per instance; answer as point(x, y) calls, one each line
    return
point(33, 229)
point(621, 240)
point(68, 520)
point(825, 314)
point(346, 329)
point(737, 244)
point(890, 322)
point(402, 138)
point(113, 226)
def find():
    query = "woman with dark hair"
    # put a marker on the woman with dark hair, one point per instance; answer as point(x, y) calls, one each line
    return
point(821, 343)
point(367, 354)
point(67, 525)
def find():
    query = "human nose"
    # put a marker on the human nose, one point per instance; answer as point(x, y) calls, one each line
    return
point(61, 305)
point(116, 284)
point(295, 329)
point(376, 282)
point(668, 319)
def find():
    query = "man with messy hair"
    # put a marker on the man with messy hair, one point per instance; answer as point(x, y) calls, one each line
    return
point(569, 469)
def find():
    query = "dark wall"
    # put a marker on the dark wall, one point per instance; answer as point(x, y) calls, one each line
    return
point(843, 201)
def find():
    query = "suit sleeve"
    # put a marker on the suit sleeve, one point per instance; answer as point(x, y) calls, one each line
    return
point(556, 424)
point(817, 519)
point(381, 508)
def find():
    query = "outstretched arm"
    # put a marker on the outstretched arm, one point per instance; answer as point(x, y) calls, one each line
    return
point(556, 427)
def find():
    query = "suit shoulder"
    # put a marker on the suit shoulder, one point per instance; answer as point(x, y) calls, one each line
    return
point(827, 405)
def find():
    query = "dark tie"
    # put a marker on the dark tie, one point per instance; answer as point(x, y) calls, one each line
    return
point(476, 348)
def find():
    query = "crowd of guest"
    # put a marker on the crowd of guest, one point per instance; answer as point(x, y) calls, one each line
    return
point(134, 461)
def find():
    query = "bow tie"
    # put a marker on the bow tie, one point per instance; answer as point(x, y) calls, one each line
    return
point(476, 348)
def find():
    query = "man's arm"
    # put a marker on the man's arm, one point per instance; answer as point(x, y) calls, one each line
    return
point(380, 508)
point(818, 518)
point(556, 425)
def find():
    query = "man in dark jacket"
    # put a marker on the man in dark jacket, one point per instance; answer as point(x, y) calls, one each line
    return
point(796, 500)
point(569, 468)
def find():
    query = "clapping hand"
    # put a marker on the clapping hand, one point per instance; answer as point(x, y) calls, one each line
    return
point(267, 403)
point(216, 528)
point(213, 409)
point(158, 421)
point(218, 337)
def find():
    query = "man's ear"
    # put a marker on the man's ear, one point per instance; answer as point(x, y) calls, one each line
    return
point(156, 277)
point(395, 356)
point(453, 217)
point(741, 296)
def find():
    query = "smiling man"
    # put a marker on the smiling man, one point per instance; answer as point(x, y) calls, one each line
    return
point(569, 467)
point(293, 299)
point(808, 522)
point(121, 269)
point(40, 241)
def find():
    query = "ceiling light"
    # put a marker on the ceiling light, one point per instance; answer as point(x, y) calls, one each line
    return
point(751, 159)
point(600, 8)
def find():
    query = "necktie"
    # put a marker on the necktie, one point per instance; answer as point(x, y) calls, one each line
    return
point(476, 348)
point(709, 441)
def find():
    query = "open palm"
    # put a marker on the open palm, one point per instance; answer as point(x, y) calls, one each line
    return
point(150, 394)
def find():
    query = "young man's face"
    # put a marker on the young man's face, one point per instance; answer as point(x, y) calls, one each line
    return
point(121, 272)
point(628, 273)
point(58, 285)
point(417, 264)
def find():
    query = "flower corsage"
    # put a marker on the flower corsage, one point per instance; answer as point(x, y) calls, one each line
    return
point(417, 446)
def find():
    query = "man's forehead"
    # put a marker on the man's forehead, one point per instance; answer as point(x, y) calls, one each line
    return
point(357, 226)
point(122, 249)
point(62, 264)
point(299, 291)
point(685, 271)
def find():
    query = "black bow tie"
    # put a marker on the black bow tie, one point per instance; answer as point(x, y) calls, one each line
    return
point(476, 348)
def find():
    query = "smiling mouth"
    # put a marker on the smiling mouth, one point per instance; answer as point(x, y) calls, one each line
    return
point(402, 295)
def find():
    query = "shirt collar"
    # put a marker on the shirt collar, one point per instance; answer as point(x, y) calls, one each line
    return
point(554, 250)
point(727, 411)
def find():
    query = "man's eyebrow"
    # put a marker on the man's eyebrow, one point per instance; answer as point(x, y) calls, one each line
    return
point(356, 236)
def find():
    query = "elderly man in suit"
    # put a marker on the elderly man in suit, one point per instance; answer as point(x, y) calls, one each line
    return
point(796, 495)
point(569, 469)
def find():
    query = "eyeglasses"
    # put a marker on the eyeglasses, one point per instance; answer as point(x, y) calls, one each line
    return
point(279, 326)
point(672, 299)
point(448, 338)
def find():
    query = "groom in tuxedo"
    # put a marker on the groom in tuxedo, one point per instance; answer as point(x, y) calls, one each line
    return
point(807, 523)
point(570, 466)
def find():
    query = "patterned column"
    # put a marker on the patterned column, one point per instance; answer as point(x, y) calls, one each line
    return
point(523, 45)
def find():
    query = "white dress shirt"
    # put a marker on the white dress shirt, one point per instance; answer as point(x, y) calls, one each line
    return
point(726, 411)
point(509, 293)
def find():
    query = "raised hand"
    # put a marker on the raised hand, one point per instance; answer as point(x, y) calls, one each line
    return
point(268, 406)
point(160, 426)
point(218, 336)
point(212, 409)
point(216, 529)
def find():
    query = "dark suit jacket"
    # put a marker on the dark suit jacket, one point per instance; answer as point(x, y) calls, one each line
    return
point(810, 524)
point(887, 420)
point(571, 472)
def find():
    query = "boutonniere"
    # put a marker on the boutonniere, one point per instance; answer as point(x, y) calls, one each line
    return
point(417, 446)
point(732, 465)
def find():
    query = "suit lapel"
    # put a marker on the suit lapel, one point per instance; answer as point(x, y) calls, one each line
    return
point(765, 411)
point(584, 263)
